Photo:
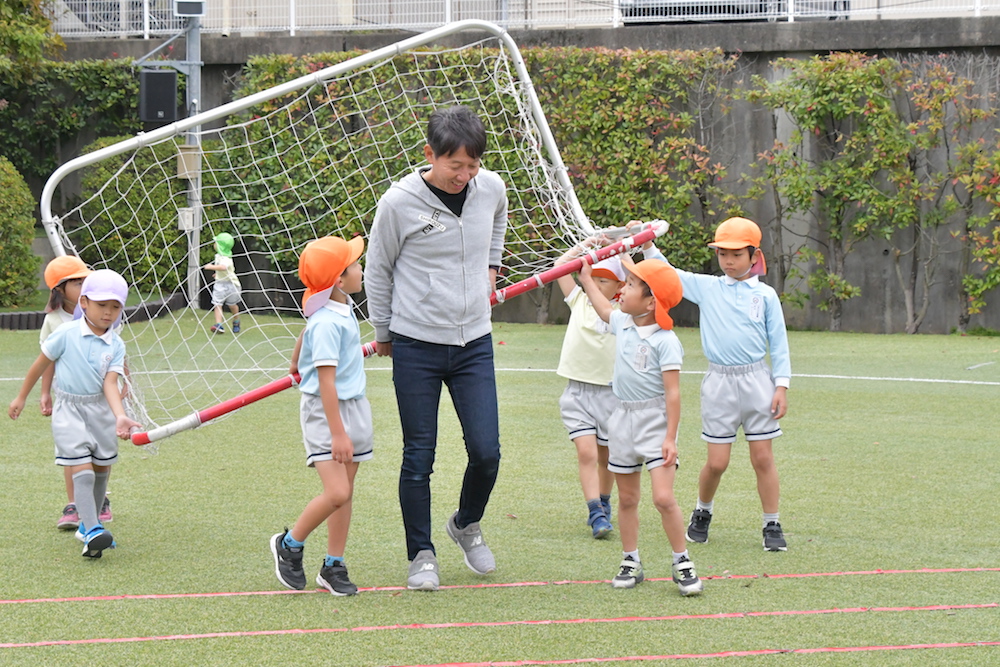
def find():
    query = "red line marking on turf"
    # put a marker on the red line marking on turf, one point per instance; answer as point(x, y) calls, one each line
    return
point(495, 624)
point(167, 596)
point(722, 654)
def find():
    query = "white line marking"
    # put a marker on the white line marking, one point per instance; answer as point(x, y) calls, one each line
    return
point(870, 378)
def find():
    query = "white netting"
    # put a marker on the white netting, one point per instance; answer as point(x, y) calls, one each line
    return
point(276, 175)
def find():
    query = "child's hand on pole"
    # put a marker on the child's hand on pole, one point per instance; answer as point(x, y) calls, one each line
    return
point(633, 223)
point(124, 426)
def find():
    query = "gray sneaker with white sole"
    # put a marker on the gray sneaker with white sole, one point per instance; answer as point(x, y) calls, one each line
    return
point(423, 572)
point(478, 556)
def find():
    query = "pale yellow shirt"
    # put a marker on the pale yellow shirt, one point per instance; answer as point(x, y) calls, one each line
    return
point(229, 275)
point(588, 350)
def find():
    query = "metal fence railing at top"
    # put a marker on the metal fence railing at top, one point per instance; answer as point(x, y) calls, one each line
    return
point(155, 18)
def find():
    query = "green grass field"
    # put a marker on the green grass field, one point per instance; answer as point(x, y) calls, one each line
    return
point(888, 463)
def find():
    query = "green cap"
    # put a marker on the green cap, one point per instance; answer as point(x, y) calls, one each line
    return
point(224, 244)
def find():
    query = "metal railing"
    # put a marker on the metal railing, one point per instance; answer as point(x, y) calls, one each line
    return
point(155, 18)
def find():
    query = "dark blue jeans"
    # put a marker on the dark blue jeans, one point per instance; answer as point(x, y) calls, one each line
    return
point(418, 371)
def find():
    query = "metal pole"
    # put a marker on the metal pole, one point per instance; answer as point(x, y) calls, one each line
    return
point(193, 98)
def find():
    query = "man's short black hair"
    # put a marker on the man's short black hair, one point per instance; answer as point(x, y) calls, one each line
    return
point(456, 127)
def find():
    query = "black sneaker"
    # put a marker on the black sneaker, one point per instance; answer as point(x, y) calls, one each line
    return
point(287, 563)
point(698, 528)
point(686, 578)
point(334, 579)
point(629, 574)
point(774, 538)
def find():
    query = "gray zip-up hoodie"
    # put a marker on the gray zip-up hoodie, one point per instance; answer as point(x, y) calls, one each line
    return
point(427, 270)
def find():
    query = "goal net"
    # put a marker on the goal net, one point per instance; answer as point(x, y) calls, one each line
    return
point(300, 160)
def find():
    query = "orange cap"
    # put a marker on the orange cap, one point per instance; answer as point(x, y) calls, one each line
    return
point(665, 285)
point(737, 233)
point(65, 268)
point(320, 266)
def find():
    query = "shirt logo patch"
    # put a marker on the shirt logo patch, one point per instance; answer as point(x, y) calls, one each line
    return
point(756, 308)
point(432, 223)
point(641, 360)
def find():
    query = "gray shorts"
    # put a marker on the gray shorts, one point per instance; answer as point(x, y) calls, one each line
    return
point(356, 413)
point(224, 293)
point(586, 409)
point(637, 430)
point(84, 430)
point(734, 396)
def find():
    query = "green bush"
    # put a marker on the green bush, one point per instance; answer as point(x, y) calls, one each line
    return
point(17, 230)
point(43, 117)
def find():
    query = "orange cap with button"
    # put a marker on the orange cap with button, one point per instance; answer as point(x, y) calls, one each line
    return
point(320, 266)
point(64, 268)
point(738, 233)
point(665, 285)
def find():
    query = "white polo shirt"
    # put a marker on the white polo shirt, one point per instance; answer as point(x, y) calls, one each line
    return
point(642, 354)
point(83, 358)
point(332, 338)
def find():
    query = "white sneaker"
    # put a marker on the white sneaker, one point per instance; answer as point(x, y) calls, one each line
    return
point(686, 578)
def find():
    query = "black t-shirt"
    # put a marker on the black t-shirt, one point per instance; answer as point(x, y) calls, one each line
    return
point(453, 202)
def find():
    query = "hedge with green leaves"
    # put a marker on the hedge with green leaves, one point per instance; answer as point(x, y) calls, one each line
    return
point(19, 268)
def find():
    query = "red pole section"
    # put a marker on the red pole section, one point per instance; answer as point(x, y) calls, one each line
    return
point(656, 228)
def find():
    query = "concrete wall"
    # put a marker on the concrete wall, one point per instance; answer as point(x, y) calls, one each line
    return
point(879, 309)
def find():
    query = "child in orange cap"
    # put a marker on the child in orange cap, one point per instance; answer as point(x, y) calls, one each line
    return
point(643, 428)
point(741, 323)
point(64, 277)
point(335, 416)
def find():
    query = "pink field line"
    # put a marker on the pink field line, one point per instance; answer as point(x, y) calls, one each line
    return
point(721, 654)
point(495, 624)
point(167, 596)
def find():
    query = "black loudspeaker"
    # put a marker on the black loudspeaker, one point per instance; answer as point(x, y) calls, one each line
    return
point(157, 95)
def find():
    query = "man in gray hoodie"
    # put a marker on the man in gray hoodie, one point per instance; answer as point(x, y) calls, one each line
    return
point(433, 255)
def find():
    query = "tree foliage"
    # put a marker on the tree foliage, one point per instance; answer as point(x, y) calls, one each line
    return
point(26, 39)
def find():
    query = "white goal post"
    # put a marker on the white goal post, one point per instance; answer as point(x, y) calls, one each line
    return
point(296, 161)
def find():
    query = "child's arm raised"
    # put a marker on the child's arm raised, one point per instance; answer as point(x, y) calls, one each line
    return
point(341, 446)
point(37, 368)
point(600, 302)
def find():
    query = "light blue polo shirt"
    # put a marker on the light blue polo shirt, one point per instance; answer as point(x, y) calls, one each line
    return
point(741, 320)
point(332, 338)
point(83, 358)
point(641, 356)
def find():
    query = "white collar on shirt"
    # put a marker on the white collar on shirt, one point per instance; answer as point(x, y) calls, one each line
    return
point(338, 307)
point(85, 330)
point(644, 331)
point(751, 281)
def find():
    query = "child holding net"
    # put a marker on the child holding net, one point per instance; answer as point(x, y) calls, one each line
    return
point(335, 415)
point(64, 277)
point(89, 357)
point(643, 426)
point(587, 362)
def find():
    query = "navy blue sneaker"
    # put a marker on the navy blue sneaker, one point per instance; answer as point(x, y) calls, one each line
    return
point(599, 524)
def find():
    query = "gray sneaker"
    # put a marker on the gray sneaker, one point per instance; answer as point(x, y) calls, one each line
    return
point(423, 572)
point(478, 556)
